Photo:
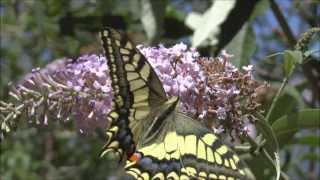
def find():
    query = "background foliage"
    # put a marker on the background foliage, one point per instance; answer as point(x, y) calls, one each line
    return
point(34, 33)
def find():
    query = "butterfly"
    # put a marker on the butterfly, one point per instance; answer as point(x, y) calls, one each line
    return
point(147, 128)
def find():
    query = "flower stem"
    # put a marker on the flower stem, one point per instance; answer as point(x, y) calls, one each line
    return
point(275, 99)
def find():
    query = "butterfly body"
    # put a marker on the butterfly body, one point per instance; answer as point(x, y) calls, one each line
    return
point(169, 144)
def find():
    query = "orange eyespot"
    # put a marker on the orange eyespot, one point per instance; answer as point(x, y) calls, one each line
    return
point(135, 157)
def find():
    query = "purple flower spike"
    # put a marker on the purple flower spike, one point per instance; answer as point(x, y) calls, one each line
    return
point(211, 90)
point(78, 89)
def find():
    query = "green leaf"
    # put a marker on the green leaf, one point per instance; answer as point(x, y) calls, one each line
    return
point(291, 58)
point(260, 9)
point(242, 46)
point(286, 126)
point(152, 17)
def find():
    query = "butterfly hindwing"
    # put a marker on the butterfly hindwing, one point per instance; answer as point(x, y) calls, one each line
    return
point(135, 90)
point(186, 150)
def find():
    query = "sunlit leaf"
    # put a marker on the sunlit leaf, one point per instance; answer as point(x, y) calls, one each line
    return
point(152, 16)
point(194, 20)
point(216, 15)
point(220, 23)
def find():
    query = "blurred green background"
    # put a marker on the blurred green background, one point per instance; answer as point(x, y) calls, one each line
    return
point(34, 33)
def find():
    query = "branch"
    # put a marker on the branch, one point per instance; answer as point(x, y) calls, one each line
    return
point(283, 23)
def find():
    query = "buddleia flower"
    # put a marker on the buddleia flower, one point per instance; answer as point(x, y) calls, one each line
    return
point(211, 90)
point(66, 89)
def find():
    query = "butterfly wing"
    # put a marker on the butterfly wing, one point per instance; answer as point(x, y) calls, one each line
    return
point(136, 89)
point(184, 150)
point(145, 121)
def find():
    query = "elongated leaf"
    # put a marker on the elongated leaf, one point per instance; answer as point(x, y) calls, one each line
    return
point(221, 22)
point(242, 46)
point(152, 16)
point(261, 7)
point(194, 20)
point(286, 126)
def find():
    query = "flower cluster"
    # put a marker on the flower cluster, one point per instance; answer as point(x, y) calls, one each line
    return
point(89, 78)
point(79, 89)
point(230, 95)
point(177, 69)
point(211, 90)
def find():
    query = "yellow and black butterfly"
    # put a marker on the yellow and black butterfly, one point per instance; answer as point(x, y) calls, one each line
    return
point(158, 141)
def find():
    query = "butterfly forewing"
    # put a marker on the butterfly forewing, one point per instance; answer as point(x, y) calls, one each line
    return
point(136, 88)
